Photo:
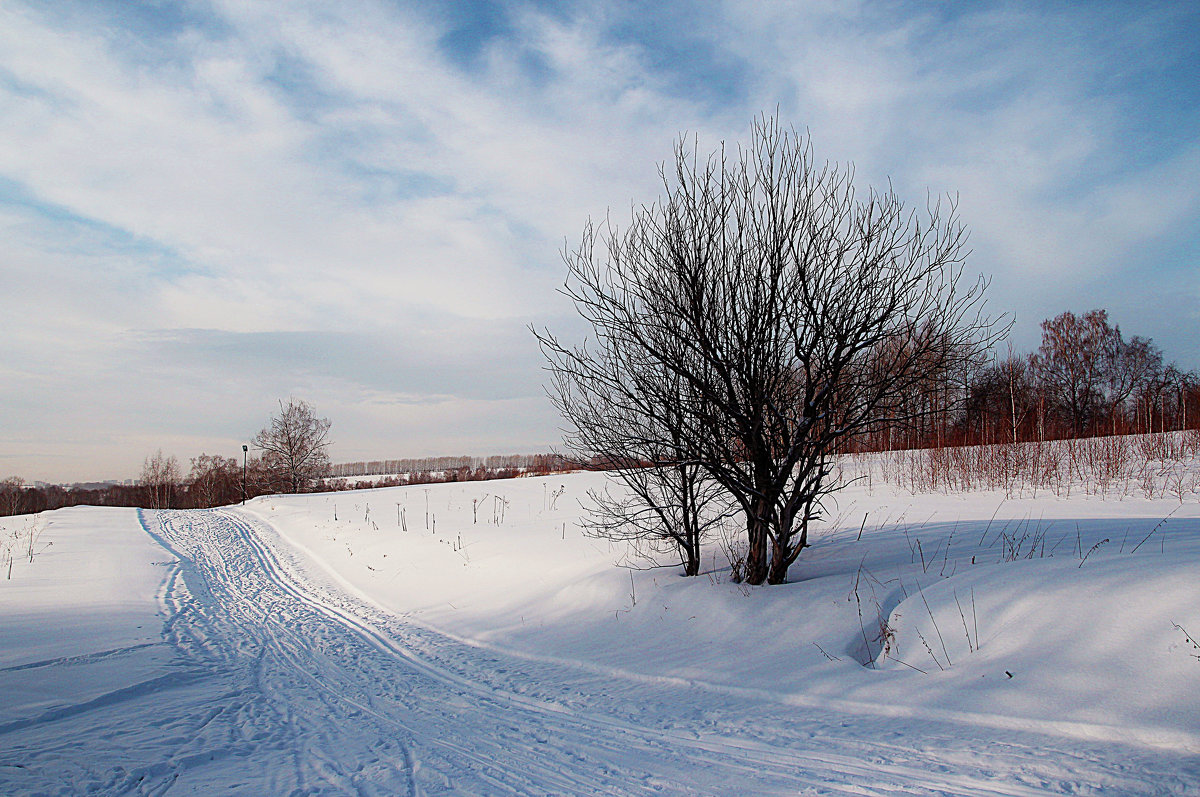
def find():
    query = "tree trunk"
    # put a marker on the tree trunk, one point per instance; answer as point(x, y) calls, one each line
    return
point(757, 525)
point(777, 574)
point(788, 543)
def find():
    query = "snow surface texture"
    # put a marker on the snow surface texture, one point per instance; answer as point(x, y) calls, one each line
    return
point(468, 639)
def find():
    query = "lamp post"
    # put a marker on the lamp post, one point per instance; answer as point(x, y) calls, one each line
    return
point(245, 454)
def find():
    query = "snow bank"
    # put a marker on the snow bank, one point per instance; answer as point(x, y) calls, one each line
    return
point(1090, 644)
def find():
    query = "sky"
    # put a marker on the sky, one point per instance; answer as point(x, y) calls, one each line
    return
point(209, 206)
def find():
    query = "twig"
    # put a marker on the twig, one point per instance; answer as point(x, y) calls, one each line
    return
point(961, 614)
point(862, 627)
point(921, 637)
point(1164, 520)
point(906, 664)
point(1089, 553)
point(974, 618)
point(989, 524)
point(935, 628)
point(1191, 641)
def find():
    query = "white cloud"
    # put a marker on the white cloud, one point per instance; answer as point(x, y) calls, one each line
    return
point(260, 218)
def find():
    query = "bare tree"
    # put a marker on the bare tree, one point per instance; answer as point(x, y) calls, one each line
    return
point(12, 491)
point(160, 478)
point(214, 480)
point(671, 507)
point(1129, 366)
point(1069, 364)
point(1014, 374)
point(1001, 399)
point(794, 313)
point(627, 413)
point(294, 445)
point(1086, 366)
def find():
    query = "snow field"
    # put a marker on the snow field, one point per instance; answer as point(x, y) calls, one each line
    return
point(922, 608)
point(333, 643)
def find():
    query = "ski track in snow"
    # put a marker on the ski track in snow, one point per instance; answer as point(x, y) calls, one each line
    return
point(282, 683)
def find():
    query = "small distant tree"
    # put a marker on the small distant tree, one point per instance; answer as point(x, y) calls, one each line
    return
point(12, 493)
point(294, 445)
point(214, 480)
point(160, 479)
point(1086, 367)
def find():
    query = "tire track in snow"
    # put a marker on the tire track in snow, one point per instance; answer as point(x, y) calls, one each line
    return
point(247, 583)
point(750, 760)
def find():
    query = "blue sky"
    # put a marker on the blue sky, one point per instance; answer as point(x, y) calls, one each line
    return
point(207, 206)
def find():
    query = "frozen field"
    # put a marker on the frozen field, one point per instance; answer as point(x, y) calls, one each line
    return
point(468, 639)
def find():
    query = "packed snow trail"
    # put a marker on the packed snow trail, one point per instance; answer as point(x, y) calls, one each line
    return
point(281, 683)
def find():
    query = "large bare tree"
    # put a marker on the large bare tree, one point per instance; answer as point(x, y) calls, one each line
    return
point(791, 311)
point(294, 445)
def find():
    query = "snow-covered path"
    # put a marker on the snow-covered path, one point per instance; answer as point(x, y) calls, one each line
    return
point(280, 682)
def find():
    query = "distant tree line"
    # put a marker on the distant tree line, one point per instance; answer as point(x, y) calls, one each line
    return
point(213, 480)
point(290, 456)
point(1086, 379)
point(516, 463)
